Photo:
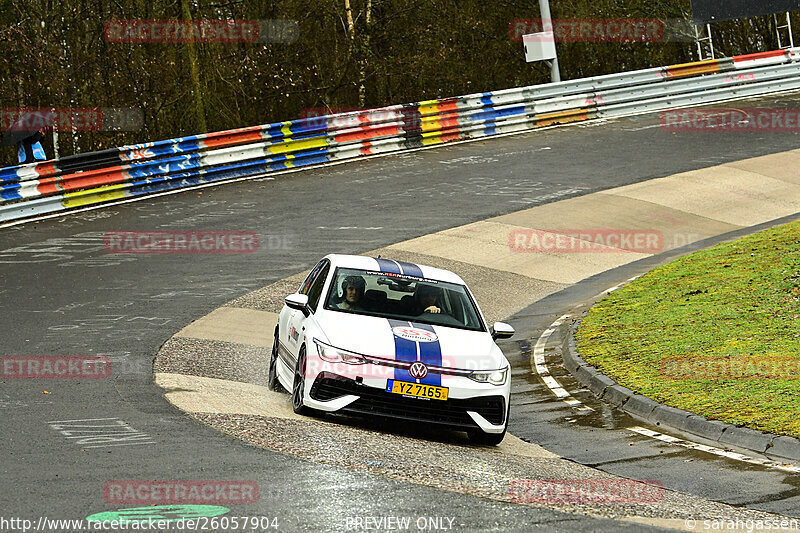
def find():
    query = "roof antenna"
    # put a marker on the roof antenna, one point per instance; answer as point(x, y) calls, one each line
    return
point(379, 256)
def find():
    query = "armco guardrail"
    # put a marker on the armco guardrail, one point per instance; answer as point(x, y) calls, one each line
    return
point(131, 171)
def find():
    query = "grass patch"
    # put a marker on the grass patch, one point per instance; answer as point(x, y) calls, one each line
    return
point(715, 332)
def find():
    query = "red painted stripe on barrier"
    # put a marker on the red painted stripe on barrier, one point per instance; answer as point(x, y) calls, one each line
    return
point(366, 149)
point(449, 137)
point(81, 180)
point(232, 139)
point(107, 177)
point(46, 169)
point(450, 121)
point(48, 186)
point(759, 55)
point(447, 106)
point(367, 133)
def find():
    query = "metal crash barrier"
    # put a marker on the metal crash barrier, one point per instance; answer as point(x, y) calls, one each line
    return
point(143, 169)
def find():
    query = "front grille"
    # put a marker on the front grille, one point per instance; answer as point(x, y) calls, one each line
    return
point(378, 402)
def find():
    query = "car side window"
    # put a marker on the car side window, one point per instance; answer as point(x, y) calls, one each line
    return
point(315, 291)
point(312, 276)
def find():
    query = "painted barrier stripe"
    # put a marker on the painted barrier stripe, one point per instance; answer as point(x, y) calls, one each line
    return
point(786, 467)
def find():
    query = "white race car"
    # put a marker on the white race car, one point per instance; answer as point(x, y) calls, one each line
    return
point(394, 339)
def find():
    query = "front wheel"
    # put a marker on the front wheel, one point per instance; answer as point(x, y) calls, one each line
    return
point(477, 436)
point(298, 387)
point(272, 377)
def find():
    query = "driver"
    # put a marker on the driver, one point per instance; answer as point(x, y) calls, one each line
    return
point(425, 297)
point(352, 291)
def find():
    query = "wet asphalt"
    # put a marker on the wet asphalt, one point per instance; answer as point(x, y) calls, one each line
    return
point(63, 294)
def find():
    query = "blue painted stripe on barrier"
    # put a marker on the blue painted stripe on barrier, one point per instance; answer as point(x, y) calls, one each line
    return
point(410, 269)
point(8, 174)
point(404, 350)
point(486, 99)
point(10, 194)
point(430, 353)
point(199, 177)
point(494, 114)
point(490, 130)
point(173, 164)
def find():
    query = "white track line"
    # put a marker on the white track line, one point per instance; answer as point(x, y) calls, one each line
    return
point(540, 367)
point(716, 451)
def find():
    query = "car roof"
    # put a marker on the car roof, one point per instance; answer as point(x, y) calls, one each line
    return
point(388, 264)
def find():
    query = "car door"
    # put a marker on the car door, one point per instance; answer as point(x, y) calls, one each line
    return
point(297, 321)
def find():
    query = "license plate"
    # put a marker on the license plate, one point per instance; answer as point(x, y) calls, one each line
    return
point(417, 390)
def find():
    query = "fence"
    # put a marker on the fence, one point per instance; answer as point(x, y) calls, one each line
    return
point(143, 169)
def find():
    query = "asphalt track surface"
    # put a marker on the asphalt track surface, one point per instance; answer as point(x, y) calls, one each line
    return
point(63, 294)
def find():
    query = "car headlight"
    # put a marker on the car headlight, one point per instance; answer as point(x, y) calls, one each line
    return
point(337, 355)
point(495, 377)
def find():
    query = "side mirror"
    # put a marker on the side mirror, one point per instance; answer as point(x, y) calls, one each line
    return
point(501, 330)
point(299, 302)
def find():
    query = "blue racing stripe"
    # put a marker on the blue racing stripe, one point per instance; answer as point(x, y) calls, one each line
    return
point(430, 353)
point(410, 269)
point(387, 265)
point(404, 350)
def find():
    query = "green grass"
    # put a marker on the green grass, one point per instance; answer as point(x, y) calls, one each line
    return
point(734, 306)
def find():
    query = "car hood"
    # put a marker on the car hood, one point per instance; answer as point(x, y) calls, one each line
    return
point(367, 335)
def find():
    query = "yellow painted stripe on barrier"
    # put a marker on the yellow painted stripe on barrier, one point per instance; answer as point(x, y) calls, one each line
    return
point(96, 195)
point(428, 107)
point(297, 146)
point(285, 129)
point(430, 124)
point(430, 138)
point(562, 114)
point(693, 69)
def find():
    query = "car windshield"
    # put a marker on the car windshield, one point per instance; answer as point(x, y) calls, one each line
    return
point(402, 297)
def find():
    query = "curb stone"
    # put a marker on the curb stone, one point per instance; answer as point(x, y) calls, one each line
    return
point(650, 411)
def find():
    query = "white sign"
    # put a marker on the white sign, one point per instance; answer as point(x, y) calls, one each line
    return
point(539, 46)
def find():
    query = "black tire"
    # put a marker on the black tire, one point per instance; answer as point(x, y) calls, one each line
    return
point(477, 436)
point(272, 377)
point(298, 386)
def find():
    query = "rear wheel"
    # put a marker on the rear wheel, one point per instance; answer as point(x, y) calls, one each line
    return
point(298, 387)
point(272, 377)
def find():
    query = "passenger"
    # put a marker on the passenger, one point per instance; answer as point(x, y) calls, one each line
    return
point(425, 300)
point(352, 292)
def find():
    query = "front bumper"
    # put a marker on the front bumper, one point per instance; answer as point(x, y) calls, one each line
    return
point(487, 412)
